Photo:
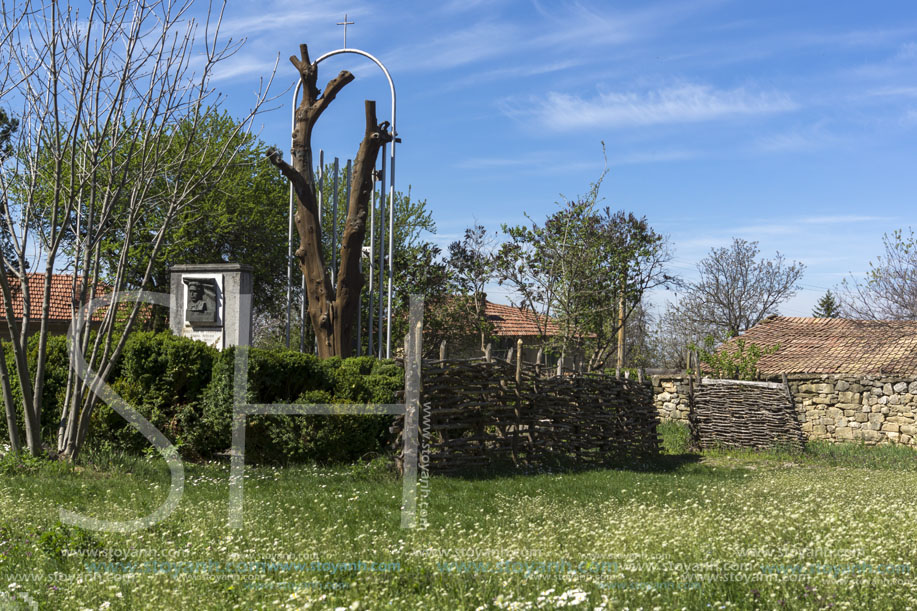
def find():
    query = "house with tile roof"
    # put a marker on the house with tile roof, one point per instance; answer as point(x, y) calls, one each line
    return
point(834, 346)
point(511, 323)
point(63, 300)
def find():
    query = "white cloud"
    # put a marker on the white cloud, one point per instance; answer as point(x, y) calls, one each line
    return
point(685, 103)
point(843, 218)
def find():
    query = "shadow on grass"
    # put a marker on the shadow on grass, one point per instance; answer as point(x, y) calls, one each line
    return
point(662, 463)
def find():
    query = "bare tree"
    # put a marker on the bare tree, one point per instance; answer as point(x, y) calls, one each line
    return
point(889, 291)
point(673, 333)
point(736, 290)
point(102, 91)
point(333, 310)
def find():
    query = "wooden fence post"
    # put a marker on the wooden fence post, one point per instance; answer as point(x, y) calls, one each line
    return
point(518, 360)
point(697, 365)
point(487, 353)
point(442, 354)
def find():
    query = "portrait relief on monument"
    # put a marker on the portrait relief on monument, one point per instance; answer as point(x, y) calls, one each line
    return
point(202, 302)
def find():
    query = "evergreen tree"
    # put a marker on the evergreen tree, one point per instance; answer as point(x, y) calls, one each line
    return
point(827, 307)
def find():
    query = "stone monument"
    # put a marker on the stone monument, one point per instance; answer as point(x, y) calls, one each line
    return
point(212, 303)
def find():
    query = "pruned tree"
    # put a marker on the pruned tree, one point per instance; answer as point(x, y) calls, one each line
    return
point(735, 290)
point(333, 310)
point(889, 290)
point(827, 306)
point(111, 97)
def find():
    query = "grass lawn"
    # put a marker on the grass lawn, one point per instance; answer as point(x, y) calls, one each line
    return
point(834, 527)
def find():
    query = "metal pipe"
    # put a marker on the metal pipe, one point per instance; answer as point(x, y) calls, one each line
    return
point(290, 229)
point(381, 248)
point(372, 252)
point(391, 258)
point(320, 199)
point(334, 224)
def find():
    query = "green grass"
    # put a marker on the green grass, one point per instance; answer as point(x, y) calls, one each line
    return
point(688, 532)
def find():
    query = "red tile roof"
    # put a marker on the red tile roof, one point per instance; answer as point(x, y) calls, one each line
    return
point(510, 321)
point(835, 345)
point(62, 298)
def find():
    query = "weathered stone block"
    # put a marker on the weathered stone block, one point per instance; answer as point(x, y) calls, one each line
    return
point(900, 387)
point(822, 400)
point(824, 388)
point(848, 397)
point(868, 435)
point(883, 400)
point(890, 427)
point(860, 417)
point(841, 385)
point(884, 411)
point(912, 388)
point(844, 433)
point(887, 389)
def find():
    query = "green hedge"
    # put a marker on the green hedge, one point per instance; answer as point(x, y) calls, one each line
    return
point(291, 377)
point(54, 389)
point(163, 377)
point(184, 388)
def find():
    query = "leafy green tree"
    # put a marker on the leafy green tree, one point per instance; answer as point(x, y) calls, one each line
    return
point(471, 262)
point(8, 127)
point(587, 269)
point(827, 307)
point(240, 218)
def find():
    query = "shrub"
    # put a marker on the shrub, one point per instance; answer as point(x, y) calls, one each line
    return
point(54, 389)
point(738, 361)
point(291, 377)
point(163, 377)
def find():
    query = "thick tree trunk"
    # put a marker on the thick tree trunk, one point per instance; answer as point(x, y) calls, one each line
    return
point(333, 311)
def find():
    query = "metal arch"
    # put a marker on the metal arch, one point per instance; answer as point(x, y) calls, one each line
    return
point(391, 205)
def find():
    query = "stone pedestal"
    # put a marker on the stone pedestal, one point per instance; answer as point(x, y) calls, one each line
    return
point(212, 303)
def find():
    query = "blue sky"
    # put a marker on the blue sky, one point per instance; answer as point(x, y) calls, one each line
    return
point(788, 123)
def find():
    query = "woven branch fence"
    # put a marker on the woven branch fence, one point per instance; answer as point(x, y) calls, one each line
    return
point(477, 413)
point(745, 414)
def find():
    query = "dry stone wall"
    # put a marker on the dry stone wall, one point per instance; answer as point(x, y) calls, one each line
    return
point(869, 408)
point(671, 396)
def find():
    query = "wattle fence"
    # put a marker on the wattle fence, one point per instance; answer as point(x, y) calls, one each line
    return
point(479, 413)
point(742, 414)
